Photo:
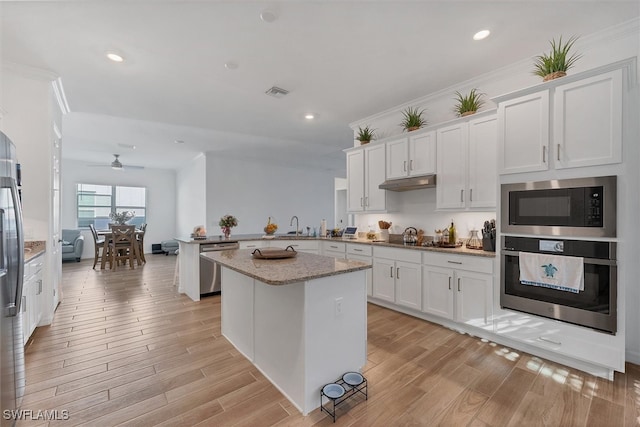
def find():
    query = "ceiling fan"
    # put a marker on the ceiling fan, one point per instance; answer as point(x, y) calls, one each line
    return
point(116, 164)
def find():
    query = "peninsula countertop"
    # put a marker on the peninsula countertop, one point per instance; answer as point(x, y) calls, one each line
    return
point(285, 271)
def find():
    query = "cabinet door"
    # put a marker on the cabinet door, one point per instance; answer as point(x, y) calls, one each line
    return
point(473, 298)
point(375, 198)
point(451, 166)
point(422, 154)
point(523, 133)
point(252, 244)
point(397, 158)
point(588, 121)
point(355, 181)
point(482, 163)
point(409, 284)
point(437, 291)
point(384, 279)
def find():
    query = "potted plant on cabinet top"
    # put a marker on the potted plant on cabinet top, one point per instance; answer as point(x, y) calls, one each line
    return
point(557, 62)
point(468, 104)
point(412, 119)
point(365, 135)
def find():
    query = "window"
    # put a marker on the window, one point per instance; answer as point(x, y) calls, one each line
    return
point(96, 202)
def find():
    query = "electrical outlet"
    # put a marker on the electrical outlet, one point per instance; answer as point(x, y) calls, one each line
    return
point(338, 306)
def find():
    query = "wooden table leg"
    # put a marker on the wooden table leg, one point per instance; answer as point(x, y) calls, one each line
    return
point(105, 252)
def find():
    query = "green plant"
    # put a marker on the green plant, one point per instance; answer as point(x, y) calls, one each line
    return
point(558, 60)
point(412, 119)
point(366, 134)
point(468, 103)
point(121, 217)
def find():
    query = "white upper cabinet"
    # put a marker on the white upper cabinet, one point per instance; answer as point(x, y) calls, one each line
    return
point(523, 133)
point(466, 175)
point(411, 156)
point(584, 127)
point(365, 172)
point(588, 121)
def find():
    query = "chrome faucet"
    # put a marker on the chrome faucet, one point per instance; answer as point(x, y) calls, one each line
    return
point(296, 218)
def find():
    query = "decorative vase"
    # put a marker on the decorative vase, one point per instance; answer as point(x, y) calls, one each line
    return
point(227, 232)
point(554, 75)
point(412, 128)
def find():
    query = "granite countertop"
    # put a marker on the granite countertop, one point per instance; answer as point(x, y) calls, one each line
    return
point(243, 237)
point(285, 271)
point(33, 248)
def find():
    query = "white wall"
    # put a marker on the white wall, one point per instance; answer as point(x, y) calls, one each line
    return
point(191, 188)
point(254, 191)
point(161, 198)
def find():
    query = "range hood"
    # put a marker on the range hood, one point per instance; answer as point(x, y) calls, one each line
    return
point(411, 183)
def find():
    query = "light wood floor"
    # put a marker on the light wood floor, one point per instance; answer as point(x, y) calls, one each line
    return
point(126, 349)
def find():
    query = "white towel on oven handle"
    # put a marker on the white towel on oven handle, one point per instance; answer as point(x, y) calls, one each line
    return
point(559, 272)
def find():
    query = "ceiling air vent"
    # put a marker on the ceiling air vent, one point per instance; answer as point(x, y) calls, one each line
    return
point(276, 92)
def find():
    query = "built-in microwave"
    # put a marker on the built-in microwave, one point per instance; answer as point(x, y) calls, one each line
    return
point(581, 207)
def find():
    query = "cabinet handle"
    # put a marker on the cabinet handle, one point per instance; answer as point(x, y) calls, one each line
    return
point(362, 201)
point(558, 152)
point(411, 164)
point(24, 304)
point(549, 341)
point(334, 247)
point(391, 272)
point(405, 166)
point(357, 250)
point(471, 194)
point(544, 154)
point(454, 262)
point(449, 282)
point(366, 200)
point(461, 195)
point(39, 287)
point(397, 272)
point(458, 284)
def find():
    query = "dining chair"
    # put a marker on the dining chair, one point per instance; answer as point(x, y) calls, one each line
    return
point(122, 243)
point(140, 241)
point(98, 244)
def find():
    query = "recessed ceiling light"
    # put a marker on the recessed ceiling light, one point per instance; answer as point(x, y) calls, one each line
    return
point(230, 65)
point(481, 35)
point(268, 16)
point(178, 141)
point(309, 116)
point(115, 57)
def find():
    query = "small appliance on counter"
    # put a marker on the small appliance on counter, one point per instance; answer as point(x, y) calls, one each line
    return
point(350, 233)
point(410, 236)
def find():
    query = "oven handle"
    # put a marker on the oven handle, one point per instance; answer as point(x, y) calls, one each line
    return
point(610, 262)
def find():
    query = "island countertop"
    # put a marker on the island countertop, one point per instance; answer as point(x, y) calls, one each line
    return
point(285, 271)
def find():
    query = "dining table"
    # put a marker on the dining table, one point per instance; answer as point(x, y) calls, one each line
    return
point(107, 239)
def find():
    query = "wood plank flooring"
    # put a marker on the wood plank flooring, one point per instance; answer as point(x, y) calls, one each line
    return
point(126, 348)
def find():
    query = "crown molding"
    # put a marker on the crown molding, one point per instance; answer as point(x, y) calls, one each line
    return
point(29, 71)
point(61, 98)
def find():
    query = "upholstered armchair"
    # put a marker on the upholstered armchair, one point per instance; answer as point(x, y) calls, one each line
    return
point(72, 245)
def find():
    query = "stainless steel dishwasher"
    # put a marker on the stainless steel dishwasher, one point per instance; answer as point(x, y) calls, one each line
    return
point(209, 270)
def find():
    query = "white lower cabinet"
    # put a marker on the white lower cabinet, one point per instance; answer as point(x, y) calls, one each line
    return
point(362, 253)
point(252, 244)
point(459, 288)
point(301, 245)
point(397, 276)
point(32, 296)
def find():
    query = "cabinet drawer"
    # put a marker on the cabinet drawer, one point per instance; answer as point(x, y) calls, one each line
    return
point(252, 244)
point(407, 255)
point(298, 245)
point(459, 262)
point(334, 246)
point(365, 250)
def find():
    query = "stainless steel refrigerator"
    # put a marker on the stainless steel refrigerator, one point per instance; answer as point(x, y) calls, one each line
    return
point(12, 380)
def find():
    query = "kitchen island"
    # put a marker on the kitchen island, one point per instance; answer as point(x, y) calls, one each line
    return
point(301, 321)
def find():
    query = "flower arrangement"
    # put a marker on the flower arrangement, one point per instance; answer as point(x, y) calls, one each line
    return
point(121, 217)
point(226, 222)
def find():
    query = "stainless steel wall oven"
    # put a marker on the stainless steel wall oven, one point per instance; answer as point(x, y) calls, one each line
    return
point(593, 307)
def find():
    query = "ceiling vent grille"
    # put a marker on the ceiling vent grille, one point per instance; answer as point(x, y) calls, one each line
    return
point(276, 92)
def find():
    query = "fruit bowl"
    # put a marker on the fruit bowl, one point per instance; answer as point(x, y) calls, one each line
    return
point(270, 229)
